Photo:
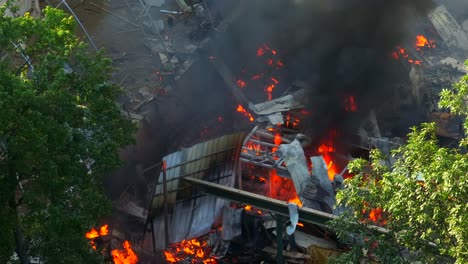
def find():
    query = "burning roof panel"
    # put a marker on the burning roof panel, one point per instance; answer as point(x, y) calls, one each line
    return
point(192, 213)
point(211, 160)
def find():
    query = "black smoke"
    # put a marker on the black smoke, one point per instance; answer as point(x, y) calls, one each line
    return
point(340, 47)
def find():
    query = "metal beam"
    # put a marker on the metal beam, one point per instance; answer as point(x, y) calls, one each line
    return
point(229, 79)
point(274, 206)
point(259, 201)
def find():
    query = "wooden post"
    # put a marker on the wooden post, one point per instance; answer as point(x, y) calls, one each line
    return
point(166, 217)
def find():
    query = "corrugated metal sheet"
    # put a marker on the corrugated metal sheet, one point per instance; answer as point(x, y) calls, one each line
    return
point(191, 213)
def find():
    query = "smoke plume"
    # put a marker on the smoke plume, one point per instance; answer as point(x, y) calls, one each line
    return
point(340, 47)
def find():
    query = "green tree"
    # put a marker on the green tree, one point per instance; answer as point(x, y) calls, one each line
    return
point(60, 132)
point(421, 199)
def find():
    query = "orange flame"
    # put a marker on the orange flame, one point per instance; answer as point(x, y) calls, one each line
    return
point(240, 83)
point(277, 141)
point(325, 149)
point(242, 110)
point(296, 201)
point(256, 148)
point(422, 41)
point(283, 189)
point(401, 53)
point(170, 257)
point(291, 122)
point(124, 256)
point(193, 248)
point(92, 234)
point(200, 253)
point(269, 88)
point(104, 230)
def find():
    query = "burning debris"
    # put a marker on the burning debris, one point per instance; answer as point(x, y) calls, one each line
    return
point(192, 251)
point(281, 166)
point(121, 253)
point(125, 255)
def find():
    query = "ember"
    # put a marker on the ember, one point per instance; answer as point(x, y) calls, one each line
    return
point(125, 255)
point(250, 209)
point(401, 53)
point(260, 52)
point(253, 148)
point(271, 82)
point(93, 233)
point(269, 88)
point(257, 76)
point(192, 250)
point(240, 83)
point(291, 122)
point(350, 104)
point(242, 110)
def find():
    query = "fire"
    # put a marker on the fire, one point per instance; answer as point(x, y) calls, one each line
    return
point(242, 110)
point(277, 141)
point(350, 104)
point(257, 76)
point(125, 255)
point(260, 52)
point(300, 224)
point(283, 189)
point(291, 122)
point(264, 49)
point(193, 248)
point(170, 257)
point(92, 234)
point(269, 88)
point(422, 41)
point(376, 215)
point(240, 83)
point(325, 149)
point(104, 230)
point(401, 53)
point(247, 207)
point(295, 200)
point(256, 148)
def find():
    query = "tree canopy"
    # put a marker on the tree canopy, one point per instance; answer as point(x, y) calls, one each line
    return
point(421, 198)
point(60, 131)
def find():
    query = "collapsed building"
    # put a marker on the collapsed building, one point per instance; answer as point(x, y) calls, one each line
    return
point(261, 188)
